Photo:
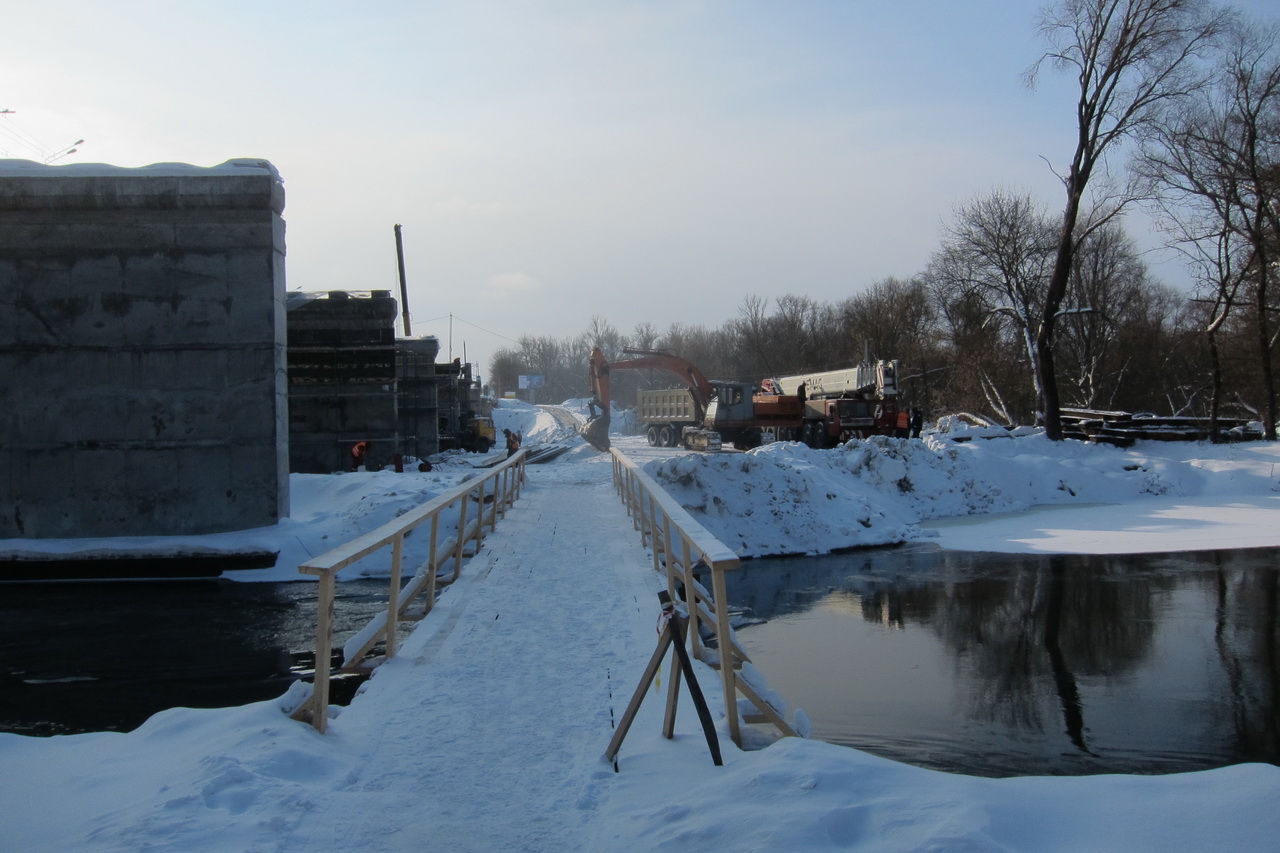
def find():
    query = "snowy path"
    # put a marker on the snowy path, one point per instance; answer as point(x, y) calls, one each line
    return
point(477, 735)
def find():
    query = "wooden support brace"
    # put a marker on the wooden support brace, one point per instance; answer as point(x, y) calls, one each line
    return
point(672, 636)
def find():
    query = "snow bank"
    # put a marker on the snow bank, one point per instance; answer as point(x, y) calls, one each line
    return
point(786, 498)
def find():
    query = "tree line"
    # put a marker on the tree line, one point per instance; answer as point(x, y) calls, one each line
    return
point(1022, 311)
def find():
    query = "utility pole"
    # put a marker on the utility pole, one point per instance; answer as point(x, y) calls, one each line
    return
point(404, 289)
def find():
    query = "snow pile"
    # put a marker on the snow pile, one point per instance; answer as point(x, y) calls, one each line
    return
point(621, 421)
point(786, 498)
point(534, 423)
point(800, 795)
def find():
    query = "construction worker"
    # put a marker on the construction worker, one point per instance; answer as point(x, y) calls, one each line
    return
point(358, 452)
point(513, 442)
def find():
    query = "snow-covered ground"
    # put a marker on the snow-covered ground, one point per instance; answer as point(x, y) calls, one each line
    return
point(984, 494)
point(249, 779)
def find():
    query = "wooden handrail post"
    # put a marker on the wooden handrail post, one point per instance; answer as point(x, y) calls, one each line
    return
point(393, 595)
point(691, 596)
point(480, 522)
point(724, 641)
point(497, 505)
point(668, 551)
point(324, 650)
point(643, 521)
point(432, 566)
point(462, 528)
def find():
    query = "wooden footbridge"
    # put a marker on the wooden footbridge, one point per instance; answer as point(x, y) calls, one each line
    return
point(488, 529)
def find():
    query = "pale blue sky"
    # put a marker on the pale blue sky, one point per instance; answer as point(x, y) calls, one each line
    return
point(644, 161)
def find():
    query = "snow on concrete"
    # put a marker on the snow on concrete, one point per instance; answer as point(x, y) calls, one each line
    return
point(237, 166)
point(448, 749)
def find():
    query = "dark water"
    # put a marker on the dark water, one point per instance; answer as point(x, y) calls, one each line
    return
point(998, 665)
point(91, 656)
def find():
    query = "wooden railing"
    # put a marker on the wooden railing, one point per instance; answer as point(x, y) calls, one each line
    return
point(682, 548)
point(478, 503)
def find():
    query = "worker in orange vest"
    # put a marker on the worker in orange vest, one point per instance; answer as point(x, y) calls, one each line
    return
point(358, 451)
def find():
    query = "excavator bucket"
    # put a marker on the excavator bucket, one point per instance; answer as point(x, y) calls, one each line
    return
point(596, 432)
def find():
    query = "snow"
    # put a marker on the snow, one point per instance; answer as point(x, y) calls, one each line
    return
point(32, 169)
point(983, 494)
point(487, 731)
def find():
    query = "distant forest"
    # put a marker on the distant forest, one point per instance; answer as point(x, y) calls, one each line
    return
point(1021, 310)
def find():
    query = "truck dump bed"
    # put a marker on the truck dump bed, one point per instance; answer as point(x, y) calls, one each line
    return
point(666, 405)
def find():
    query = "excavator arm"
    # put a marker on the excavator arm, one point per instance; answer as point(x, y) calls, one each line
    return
point(596, 429)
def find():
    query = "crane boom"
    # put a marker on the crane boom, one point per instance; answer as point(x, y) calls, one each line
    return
point(880, 377)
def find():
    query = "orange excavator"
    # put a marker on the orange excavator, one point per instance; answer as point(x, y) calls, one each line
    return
point(596, 429)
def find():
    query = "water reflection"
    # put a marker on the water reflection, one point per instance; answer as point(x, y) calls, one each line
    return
point(1012, 664)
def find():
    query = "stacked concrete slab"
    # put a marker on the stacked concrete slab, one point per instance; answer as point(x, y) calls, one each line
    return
point(142, 350)
point(342, 380)
point(418, 396)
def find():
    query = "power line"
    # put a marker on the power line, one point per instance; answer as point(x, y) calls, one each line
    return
point(33, 145)
point(469, 323)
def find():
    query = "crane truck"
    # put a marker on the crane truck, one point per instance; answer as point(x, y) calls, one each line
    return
point(842, 404)
point(821, 409)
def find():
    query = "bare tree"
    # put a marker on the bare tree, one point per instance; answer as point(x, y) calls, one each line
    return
point(753, 330)
point(505, 367)
point(1109, 290)
point(995, 258)
point(897, 319)
point(1216, 160)
point(1129, 58)
point(1249, 144)
point(603, 334)
point(643, 336)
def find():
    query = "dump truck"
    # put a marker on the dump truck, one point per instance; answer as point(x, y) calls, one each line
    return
point(677, 420)
point(704, 415)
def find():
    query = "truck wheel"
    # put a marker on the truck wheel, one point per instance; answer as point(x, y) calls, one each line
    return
point(666, 437)
point(652, 435)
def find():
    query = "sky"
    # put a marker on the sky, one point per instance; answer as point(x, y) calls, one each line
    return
point(644, 162)
point(486, 731)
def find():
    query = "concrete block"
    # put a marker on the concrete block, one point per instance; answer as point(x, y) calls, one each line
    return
point(142, 332)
